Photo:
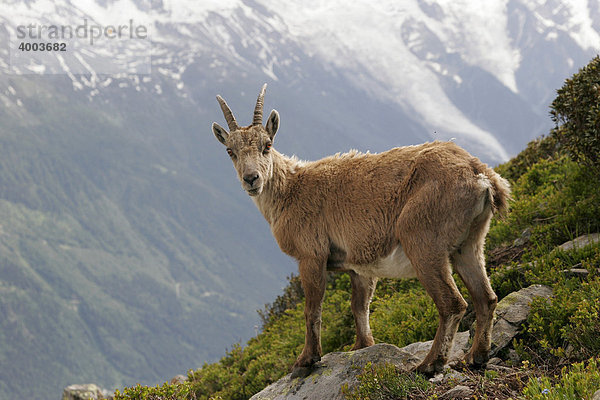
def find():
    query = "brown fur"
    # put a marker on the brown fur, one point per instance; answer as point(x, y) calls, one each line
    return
point(349, 211)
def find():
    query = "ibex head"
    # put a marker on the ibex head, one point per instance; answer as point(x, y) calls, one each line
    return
point(249, 147)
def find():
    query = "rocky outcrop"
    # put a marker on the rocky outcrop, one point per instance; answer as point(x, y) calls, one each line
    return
point(88, 391)
point(511, 312)
point(339, 368)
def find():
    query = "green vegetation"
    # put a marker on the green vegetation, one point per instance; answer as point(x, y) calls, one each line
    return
point(386, 382)
point(578, 382)
point(576, 111)
point(405, 316)
point(270, 355)
point(165, 392)
point(556, 199)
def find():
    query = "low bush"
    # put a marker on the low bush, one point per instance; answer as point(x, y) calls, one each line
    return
point(385, 382)
point(576, 112)
point(578, 382)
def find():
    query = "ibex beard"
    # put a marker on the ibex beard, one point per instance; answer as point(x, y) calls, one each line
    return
point(416, 211)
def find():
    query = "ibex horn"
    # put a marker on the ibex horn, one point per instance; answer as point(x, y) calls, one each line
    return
point(231, 122)
point(258, 110)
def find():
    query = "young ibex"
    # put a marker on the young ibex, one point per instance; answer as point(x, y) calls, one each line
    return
point(408, 212)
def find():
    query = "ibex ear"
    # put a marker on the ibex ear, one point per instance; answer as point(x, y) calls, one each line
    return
point(272, 124)
point(220, 133)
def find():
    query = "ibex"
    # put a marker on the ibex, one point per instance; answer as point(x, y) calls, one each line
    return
point(414, 211)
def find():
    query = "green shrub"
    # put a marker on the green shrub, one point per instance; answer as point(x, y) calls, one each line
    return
point(543, 148)
point(576, 112)
point(576, 383)
point(267, 357)
point(404, 317)
point(570, 317)
point(401, 317)
point(554, 198)
point(165, 392)
point(583, 330)
point(385, 382)
point(292, 295)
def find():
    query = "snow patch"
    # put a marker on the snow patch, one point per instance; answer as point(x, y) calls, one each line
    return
point(366, 36)
point(571, 17)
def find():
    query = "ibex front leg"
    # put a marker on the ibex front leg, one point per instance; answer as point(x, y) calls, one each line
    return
point(313, 278)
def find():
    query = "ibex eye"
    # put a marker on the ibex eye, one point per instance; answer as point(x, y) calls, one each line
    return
point(230, 152)
point(267, 147)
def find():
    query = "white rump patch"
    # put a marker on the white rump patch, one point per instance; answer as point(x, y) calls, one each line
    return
point(485, 185)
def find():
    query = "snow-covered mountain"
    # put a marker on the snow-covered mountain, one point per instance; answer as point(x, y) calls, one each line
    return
point(128, 251)
point(483, 73)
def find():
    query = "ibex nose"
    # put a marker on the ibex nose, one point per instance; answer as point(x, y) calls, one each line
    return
point(249, 178)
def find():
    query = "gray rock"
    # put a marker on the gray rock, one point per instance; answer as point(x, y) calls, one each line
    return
point(178, 379)
point(88, 391)
point(449, 375)
point(513, 357)
point(511, 312)
point(437, 378)
point(495, 361)
point(458, 392)
point(497, 367)
point(580, 242)
point(337, 369)
point(524, 238)
point(596, 395)
point(416, 352)
point(331, 373)
point(580, 273)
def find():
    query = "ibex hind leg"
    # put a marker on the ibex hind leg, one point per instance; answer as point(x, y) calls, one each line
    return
point(363, 288)
point(435, 275)
point(469, 263)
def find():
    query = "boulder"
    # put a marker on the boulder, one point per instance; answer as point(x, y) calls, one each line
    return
point(178, 379)
point(458, 392)
point(334, 369)
point(580, 241)
point(88, 391)
point(511, 312)
point(339, 368)
point(523, 239)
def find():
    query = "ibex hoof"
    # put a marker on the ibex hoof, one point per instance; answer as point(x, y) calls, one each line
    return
point(301, 372)
point(304, 366)
point(476, 360)
point(430, 369)
point(361, 344)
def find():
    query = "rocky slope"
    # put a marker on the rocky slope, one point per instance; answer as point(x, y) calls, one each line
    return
point(336, 370)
